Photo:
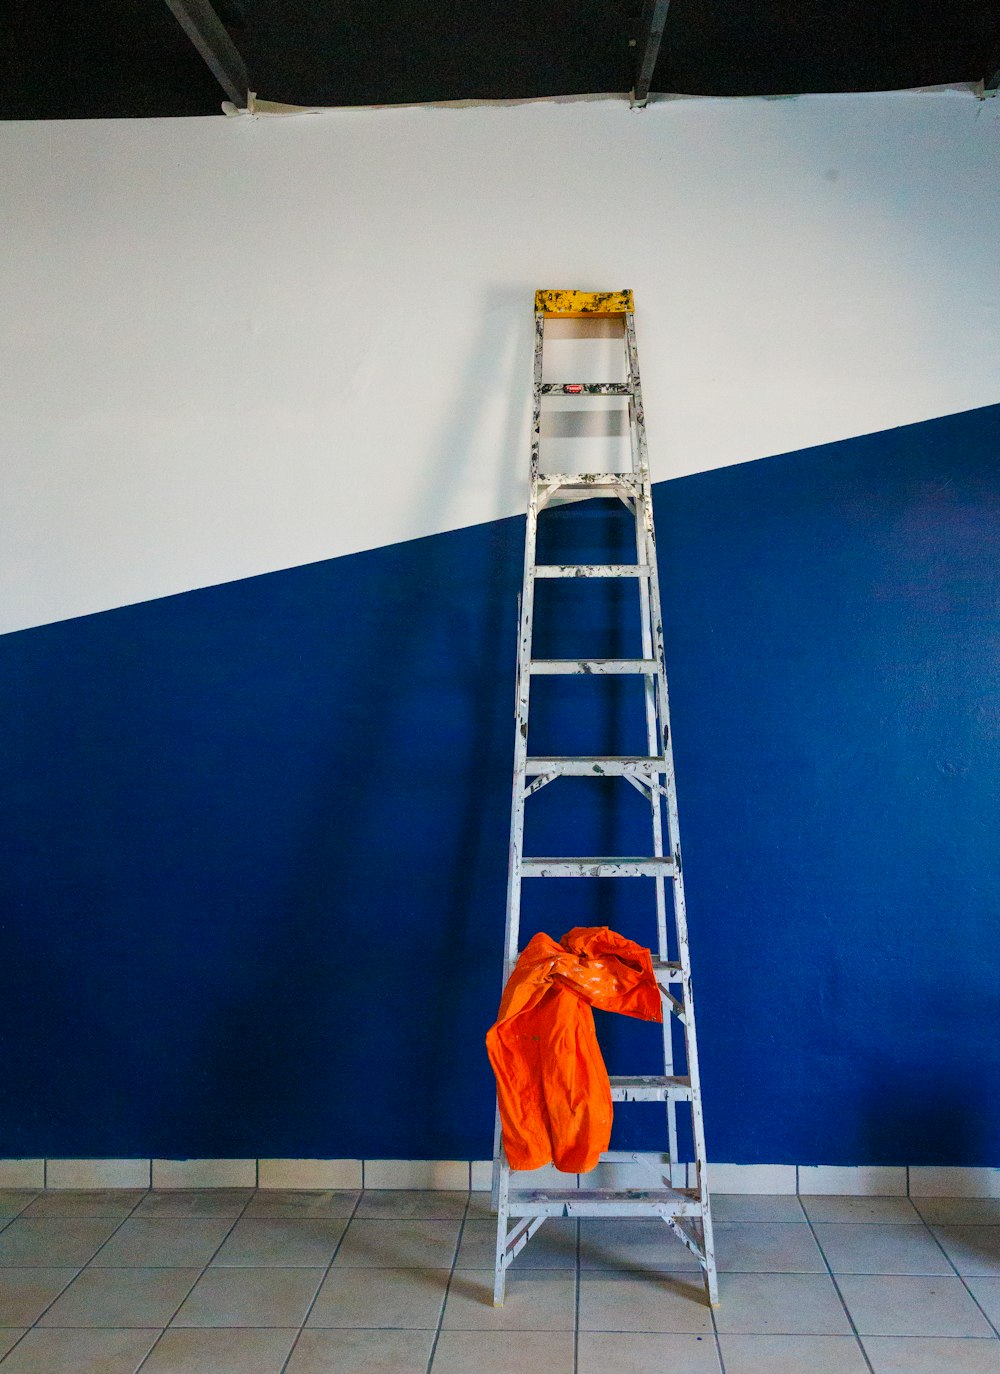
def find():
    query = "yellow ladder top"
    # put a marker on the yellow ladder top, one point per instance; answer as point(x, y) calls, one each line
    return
point(576, 304)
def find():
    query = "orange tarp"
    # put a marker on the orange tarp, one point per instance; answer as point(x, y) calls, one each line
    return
point(552, 1086)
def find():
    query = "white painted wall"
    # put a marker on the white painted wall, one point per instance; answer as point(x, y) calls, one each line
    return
point(231, 346)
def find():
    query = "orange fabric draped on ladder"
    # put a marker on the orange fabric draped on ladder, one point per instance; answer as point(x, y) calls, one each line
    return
point(552, 1085)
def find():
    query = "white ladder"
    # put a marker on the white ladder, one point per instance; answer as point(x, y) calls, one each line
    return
point(685, 1209)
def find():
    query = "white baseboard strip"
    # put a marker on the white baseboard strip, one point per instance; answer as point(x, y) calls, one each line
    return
point(458, 1175)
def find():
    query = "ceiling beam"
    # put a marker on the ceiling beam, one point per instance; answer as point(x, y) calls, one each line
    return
point(208, 34)
point(647, 45)
point(991, 81)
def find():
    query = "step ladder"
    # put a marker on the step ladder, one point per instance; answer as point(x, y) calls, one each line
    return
point(685, 1209)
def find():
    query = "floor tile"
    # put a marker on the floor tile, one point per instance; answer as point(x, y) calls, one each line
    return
point(616, 1352)
point(959, 1211)
point(122, 1298)
point(168, 1242)
point(380, 1297)
point(536, 1300)
point(405, 1205)
point(762, 1247)
point(780, 1304)
point(481, 1207)
point(792, 1355)
point(9, 1337)
point(25, 1293)
point(553, 1247)
point(361, 1352)
point(891, 1211)
point(420, 1175)
point(281, 1240)
point(190, 1175)
point(858, 1180)
point(14, 1200)
point(911, 1305)
point(972, 1249)
point(195, 1202)
point(627, 1243)
point(51, 1240)
point(986, 1291)
point(220, 1352)
point(932, 1355)
point(873, 1248)
point(399, 1244)
point(79, 1352)
point(294, 1202)
point(756, 1207)
point(102, 1202)
point(503, 1352)
point(313, 1174)
point(644, 1302)
point(250, 1297)
point(83, 1175)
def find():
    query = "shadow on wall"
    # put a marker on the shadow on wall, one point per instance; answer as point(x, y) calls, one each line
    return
point(382, 930)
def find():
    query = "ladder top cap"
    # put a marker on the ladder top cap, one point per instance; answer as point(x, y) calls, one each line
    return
point(580, 304)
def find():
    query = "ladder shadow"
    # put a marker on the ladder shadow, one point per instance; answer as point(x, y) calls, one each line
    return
point(354, 956)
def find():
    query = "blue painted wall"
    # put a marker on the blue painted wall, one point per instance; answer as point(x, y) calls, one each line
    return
point(254, 837)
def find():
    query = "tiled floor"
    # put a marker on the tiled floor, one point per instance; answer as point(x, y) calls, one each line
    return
point(237, 1282)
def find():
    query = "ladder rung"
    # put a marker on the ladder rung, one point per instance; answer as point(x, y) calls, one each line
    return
point(588, 481)
point(593, 665)
point(607, 767)
point(650, 1088)
point(601, 1202)
point(668, 972)
point(591, 569)
point(657, 867)
point(586, 389)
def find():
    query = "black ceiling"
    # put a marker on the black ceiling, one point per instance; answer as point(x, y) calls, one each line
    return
point(128, 58)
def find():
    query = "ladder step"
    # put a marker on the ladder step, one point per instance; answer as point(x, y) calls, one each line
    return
point(579, 304)
point(650, 1088)
point(591, 569)
point(586, 389)
point(604, 1202)
point(646, 666)
point(658, 867)
point(589, 481)
point(609, 767)
point(668, 971)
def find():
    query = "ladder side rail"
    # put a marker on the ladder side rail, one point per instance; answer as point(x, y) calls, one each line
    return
point(501, 1169)
point(673, 826)
point(656, 815)
point(637, 445)
point(512, 930)
point(653, 740)
point(652, 745)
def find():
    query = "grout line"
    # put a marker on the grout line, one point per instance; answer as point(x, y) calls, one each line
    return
point(238, 1217)
point(326, 1273)
point(718, 1342)
point(447, 1287)
point(833, 1280)
point(577, 1293)
point(79, 1271)
point(961, 1279)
